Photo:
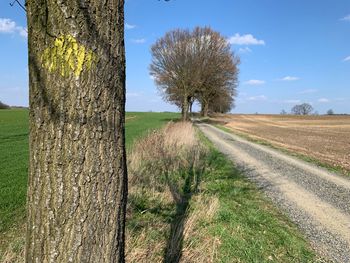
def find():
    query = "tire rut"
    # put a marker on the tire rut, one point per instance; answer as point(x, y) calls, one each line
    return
point(316, 200)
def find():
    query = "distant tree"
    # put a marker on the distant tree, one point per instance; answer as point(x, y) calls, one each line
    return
point(283, 112)
point(330, 112)
point(194, 65)
point(221, 102)
point(302, 109)
point(217, 71)
point(173, 62)
point(4, 106)
point(296, 110)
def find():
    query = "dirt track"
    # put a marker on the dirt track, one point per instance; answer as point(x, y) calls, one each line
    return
point(325, 138)
point(316, 200)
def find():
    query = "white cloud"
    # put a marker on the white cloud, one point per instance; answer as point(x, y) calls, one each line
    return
point(292, 101)
point(347, 58)
point(129, 26)
point(7, 26)
point(308, 91)
point(255, 82)
point(244, 50)
point(139, 41)
point(257, 98)
point(346, 18)
point(289, 78)
point(323, 100)
point(248, 39)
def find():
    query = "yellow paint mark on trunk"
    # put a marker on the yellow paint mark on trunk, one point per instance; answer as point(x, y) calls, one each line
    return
point(67, 56)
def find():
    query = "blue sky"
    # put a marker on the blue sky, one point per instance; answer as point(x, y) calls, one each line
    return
point(291, 51)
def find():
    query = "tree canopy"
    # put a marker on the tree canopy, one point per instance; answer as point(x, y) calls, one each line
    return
point(195, 65)
point(302, 109)
point(3, 105)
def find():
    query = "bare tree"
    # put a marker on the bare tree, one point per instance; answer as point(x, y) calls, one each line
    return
point(217, 70)
point(283, 112)
point(194, 65)
point(330, 112)
point(172, 68)
point(4, 106)
point(302, 109)
point(77, 176)
point(220, 102)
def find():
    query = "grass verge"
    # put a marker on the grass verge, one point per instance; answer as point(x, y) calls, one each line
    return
point(139, 123)
point(196, 209)
point(14, 155)
point(226, 219)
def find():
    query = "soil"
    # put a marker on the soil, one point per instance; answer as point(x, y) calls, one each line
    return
point(317, 200)
point(325, 138)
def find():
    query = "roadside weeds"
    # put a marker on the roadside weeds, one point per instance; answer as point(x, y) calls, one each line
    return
point(188, 203)
point(226, 219)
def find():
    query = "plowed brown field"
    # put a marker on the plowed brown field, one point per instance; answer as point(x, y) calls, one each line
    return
point(325, 138)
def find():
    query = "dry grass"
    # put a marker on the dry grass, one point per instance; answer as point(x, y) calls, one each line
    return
point(170, 214)
point(166, 218)
point(199, 244)
point(162, 154)
point(141, 248)
point(14, 252)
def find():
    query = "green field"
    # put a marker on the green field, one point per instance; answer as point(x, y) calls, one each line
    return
point(137, 123)
point(246, 226)
point(14, 166)
point(14, 157)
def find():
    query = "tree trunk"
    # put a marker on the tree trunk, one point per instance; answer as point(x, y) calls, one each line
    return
point(185, 109)
point(204, 108)
point(77, 176)
point(190, 105)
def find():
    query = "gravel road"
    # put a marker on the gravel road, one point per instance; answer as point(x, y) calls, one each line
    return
point(316, 200)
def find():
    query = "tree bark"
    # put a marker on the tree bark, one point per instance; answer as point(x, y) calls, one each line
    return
point(185, 109)
point(77, 176)
point(190, 105)
point(204, 108)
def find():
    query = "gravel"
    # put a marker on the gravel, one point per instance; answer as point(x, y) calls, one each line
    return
point(324, 216)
